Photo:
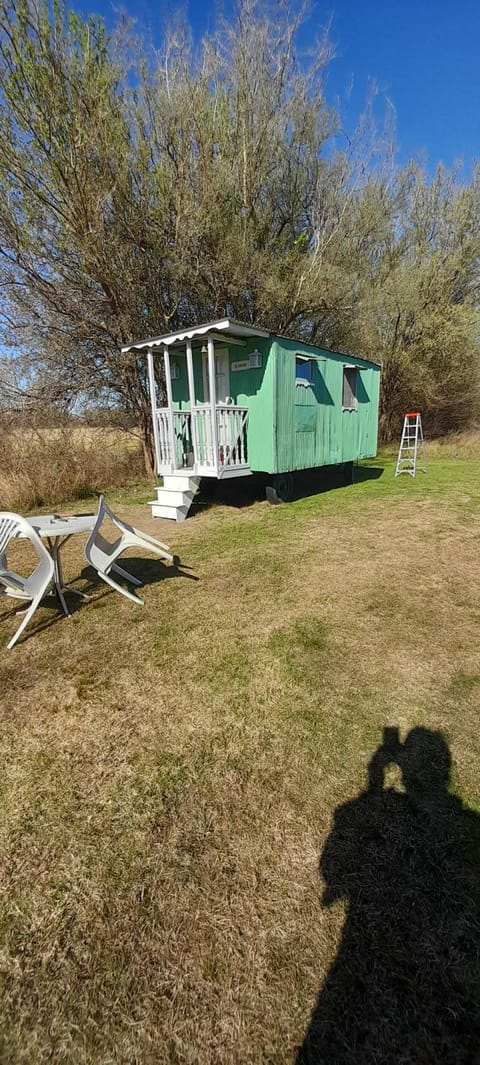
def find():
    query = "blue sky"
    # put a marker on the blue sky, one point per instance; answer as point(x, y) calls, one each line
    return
point(423, 56)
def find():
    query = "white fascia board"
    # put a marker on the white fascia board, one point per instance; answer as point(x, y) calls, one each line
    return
point(223, 325)
point(239, 329)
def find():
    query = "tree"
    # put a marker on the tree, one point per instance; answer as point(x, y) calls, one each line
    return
point(418, 297)
point(67, 184)
point(127, 212)
point(141, 195)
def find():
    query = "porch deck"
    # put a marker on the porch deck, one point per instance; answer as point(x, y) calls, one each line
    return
point(207, 442)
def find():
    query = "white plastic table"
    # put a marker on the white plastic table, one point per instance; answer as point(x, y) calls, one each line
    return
point(56, 531)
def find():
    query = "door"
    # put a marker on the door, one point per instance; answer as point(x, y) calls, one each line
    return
point(222, 389)
point(222, 376)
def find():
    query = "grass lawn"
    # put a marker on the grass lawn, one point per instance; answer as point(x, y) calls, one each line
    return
point(193, 859)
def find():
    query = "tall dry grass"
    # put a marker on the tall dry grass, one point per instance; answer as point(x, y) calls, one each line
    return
point(43, 467)
point(464, 445)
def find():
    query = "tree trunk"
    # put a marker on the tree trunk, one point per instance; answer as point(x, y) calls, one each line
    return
point(148, 444)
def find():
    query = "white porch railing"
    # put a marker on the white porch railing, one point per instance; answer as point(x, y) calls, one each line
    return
point(204, 446)
point(182, 427)
point(164, 439)
point(175, 444)
point(232, 436)
point(187, 439)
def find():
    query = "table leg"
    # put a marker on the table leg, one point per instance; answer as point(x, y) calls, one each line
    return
point(76, 591)
point(57, 575)
point(55, 543)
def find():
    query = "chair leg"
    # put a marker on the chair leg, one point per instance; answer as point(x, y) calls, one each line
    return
point(152, 542)
point(31, 610)
point(128, 576)
point(118, 588)
point(138, 539)
point(156, 550)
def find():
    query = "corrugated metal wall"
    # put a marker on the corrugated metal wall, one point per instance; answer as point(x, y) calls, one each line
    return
point(255, 389)
point(311, 429)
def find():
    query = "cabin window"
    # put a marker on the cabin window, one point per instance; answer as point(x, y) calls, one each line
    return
point(303, 370)
point(349, 397)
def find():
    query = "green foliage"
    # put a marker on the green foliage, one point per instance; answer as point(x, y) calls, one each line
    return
point(140, 193)
point(418, 300)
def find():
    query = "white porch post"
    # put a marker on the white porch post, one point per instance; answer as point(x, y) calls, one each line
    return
point(213, 397)
point(153, 399)
point(191, 394)
point(168, 385)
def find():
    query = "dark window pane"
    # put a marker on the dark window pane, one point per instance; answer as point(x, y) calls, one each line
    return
point(349, 398)
point(303, 369)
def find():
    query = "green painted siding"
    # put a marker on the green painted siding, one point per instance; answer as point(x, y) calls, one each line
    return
point(311, 428)
point(180, 386)
point(180, 396)
point(255, 389)
point(200, 396)
point(252, 388)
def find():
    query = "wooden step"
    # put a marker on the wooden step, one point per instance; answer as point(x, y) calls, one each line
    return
point(174, 499)
point(178, 514)
point(180, 482)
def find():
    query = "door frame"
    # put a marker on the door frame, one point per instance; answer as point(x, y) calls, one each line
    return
point(219, 353)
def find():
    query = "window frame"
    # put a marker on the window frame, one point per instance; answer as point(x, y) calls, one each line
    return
point(349, 368)
point(304, 382)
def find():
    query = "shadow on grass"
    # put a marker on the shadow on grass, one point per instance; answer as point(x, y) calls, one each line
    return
point(147, 570)
point(50, 603)
point(328, 478)
point(243, 492)
point(367, 473)
point(405, 985)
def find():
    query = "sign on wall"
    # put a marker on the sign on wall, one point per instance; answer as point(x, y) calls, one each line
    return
point(253, 362)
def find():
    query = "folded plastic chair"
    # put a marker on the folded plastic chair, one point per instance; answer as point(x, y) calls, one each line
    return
point(102, 554)
point(37, 584)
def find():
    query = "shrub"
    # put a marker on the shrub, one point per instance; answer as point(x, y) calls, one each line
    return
point(43, 467)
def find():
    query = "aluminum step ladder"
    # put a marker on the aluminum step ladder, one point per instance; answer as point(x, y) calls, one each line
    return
point(412, 446)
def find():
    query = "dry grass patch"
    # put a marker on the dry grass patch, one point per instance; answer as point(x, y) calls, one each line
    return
point(462, 445)
point(172, 776)
point(46, 466)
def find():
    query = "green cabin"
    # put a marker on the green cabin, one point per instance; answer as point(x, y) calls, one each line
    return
point(230, 400)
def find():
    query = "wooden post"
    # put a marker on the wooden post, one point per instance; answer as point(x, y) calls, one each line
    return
point(168, 385)
point(153, 399)
point(213, 397)
point(191, 394)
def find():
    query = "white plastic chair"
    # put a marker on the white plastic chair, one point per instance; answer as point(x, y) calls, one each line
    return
point(37, 584)
point(102, 554)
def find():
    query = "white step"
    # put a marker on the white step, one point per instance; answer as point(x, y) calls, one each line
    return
point(175, 498)
point(181, 482)
point(174, 513)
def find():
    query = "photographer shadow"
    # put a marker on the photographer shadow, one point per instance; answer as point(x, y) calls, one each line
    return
point(405, 985)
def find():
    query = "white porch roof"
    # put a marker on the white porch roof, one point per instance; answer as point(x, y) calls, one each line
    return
point(223, 326)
